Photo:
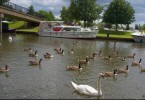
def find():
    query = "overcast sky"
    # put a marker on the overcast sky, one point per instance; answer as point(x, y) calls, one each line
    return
point(56, 5)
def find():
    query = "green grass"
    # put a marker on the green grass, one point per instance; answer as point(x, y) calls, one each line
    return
point(29, 30)
point(17, 25)
point(118, 34)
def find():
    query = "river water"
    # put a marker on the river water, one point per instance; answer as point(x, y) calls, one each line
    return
point(52, 81)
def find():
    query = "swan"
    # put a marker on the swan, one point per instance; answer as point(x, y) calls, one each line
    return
point(88, 90)
point(10, 38)
point(35, 62)
point(136, 63)
point(123, 70)
point(4, 69)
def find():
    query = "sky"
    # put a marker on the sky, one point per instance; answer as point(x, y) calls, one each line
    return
point(56, 5)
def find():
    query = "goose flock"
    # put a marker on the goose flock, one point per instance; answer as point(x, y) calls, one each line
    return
point(85, 89)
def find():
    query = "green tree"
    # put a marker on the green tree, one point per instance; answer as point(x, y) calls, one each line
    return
point(31, 10)
point(119, 12)
point(85, 10)
point(127, 27)
point(47, 15)
point(64, 14)
point(3, 1)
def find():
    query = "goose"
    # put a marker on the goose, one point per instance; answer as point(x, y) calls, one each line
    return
point(4, 69)
point(98, 53)
point(142, 69)
point(88, 90)
point(107, 58)
point(74, 68)
point(84, 61)
point(60, 52)
point(110, 74)
point(71, 51)
point(136, 63)
point(48, 55)
point(123, 70)
point(57, 49)
point(35, 62)
point(28, 50)
point(131, 56)
point(31, 54)
point(114, 53)
point(91, 57)
point(122, 58)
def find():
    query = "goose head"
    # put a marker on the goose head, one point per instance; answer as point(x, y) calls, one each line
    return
point(40, 61)
point(140, 60)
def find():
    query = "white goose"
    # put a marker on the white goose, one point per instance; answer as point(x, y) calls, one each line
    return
point(88, 90)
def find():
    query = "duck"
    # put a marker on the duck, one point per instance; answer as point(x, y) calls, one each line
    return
point(74, 68)
point(108, 57)
point(48, 55)
point(137, 63)
point(31, 54)
point(84, 61)
point(91, 57)
point(35, 62)
point(60, 52)
point(131, 56)
point(4, 69)
point(110, 74)
point(88, 90)
point(123, 70)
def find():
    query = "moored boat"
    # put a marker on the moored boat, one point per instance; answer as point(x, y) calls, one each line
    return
point(138, 36)
point(58, 29)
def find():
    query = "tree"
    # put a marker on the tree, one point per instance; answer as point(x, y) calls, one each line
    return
point(119, 12)
point(3, 1)
point(64, 14)
point(47, 15)
point(127, 27)
point(85, 10)
point(31, 10)
point(136, 26)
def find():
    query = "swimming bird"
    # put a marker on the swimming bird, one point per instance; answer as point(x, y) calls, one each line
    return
point(137, 63)
point(98, 53)
point(108, 57)
point(91, 56)
point(84, 61)
point(48, 55)
point(28, 50)
point(74, 68)
point(88, 90)
point(131, 56)
point(71, 51)
point(31, 54)
point(142, 69)
point(34, 62)
point(4, 69)
point(57, 49)
point(110, 74)
point(115, 53)
point(123, 70)
point(122, 58)
point(60, 52)
point(10, 39)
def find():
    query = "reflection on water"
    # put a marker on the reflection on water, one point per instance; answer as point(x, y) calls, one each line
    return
point(51, 80)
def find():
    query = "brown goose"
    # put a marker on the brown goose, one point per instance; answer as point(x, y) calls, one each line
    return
point(74, 68)
point(60, 52)
point(123, 70)
point(31, 54)
point(34, 62)
point(48, 55)
point(131, 56)
point(136, 63)
point(110, 74)
point(91, 57)
point(107, 58)
point(4, 69)
point(84, 61)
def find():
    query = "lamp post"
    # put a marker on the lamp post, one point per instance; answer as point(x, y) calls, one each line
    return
point(1, 17)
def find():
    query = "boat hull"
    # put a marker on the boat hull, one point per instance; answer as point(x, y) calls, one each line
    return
point(76, 35)
point(138, 37)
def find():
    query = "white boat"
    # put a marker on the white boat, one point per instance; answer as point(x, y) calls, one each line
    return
point(58, 29)
point(138, 36)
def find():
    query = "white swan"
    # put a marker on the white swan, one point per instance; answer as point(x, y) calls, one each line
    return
point(10, 39)
point(88, 90)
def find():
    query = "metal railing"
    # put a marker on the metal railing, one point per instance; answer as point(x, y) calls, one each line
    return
point(21, 9)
